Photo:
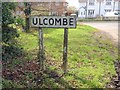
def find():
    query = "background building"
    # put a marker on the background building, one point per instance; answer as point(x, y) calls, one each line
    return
point(97, 8)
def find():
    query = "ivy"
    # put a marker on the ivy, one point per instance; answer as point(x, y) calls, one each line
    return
point(10, 47)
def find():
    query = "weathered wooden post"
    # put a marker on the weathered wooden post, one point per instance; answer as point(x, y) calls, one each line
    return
point(65, 48)
point(41, 49)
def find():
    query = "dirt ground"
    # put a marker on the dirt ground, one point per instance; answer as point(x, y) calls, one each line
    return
point(110, 27)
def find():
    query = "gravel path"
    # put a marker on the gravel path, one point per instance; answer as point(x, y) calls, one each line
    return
point(109, 26)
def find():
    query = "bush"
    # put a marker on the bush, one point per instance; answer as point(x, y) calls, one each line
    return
point(10, 47)
point(8, 35)
point(11, 52)
point(20, 21)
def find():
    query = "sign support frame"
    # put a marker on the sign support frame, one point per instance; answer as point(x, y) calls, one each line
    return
point(36, 22)
point(65, 50)
point(41, 49)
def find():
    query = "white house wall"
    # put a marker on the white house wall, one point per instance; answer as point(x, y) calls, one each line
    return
point(82, 10)
point(95, 7)
point(117, 6)
point(109, 6)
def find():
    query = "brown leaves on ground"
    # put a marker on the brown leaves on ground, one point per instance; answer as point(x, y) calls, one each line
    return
point(115, 80)
point(26, 73)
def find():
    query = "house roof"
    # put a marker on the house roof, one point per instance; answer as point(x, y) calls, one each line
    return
point(82, 7)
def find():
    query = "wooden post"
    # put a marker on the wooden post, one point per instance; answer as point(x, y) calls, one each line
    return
point(41, 49)
point(65, 47)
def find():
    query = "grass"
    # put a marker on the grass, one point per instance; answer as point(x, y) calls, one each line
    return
point(90, 57)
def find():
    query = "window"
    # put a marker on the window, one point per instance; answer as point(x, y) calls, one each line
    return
point(91, 2)
point(90, 12)
point(108, 2)
point(83, 13)
point(107, 10)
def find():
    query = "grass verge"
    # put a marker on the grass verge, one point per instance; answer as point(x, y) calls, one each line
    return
point(90, 57)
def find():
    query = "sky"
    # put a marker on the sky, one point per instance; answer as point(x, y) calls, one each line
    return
point(73, 3)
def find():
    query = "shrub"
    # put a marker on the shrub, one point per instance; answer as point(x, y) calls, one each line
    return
point(10, 47)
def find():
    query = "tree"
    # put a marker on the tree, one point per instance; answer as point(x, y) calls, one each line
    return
point(27, 12)
point(9, 44)
point(71, 9)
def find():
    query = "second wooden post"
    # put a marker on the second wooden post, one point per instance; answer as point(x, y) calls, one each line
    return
point(65, 47)
point(41, 49)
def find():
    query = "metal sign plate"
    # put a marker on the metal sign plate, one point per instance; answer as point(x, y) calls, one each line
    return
point(53, 21)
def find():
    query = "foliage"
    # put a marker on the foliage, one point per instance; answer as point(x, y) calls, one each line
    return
point(20, 21)
point(7, 17)
point(71, 10)
point(8, 84)
point(10, 52)
point(27, 10)
point(9, 34)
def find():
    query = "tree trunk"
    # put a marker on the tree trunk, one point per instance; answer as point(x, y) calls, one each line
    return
point(27, 24)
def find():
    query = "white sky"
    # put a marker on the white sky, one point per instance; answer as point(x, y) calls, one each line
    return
point(73, 3)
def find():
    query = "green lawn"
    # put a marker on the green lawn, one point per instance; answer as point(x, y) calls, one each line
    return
point(90, 56)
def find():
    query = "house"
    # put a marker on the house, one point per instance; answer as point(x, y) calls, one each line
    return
point(97, 8)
